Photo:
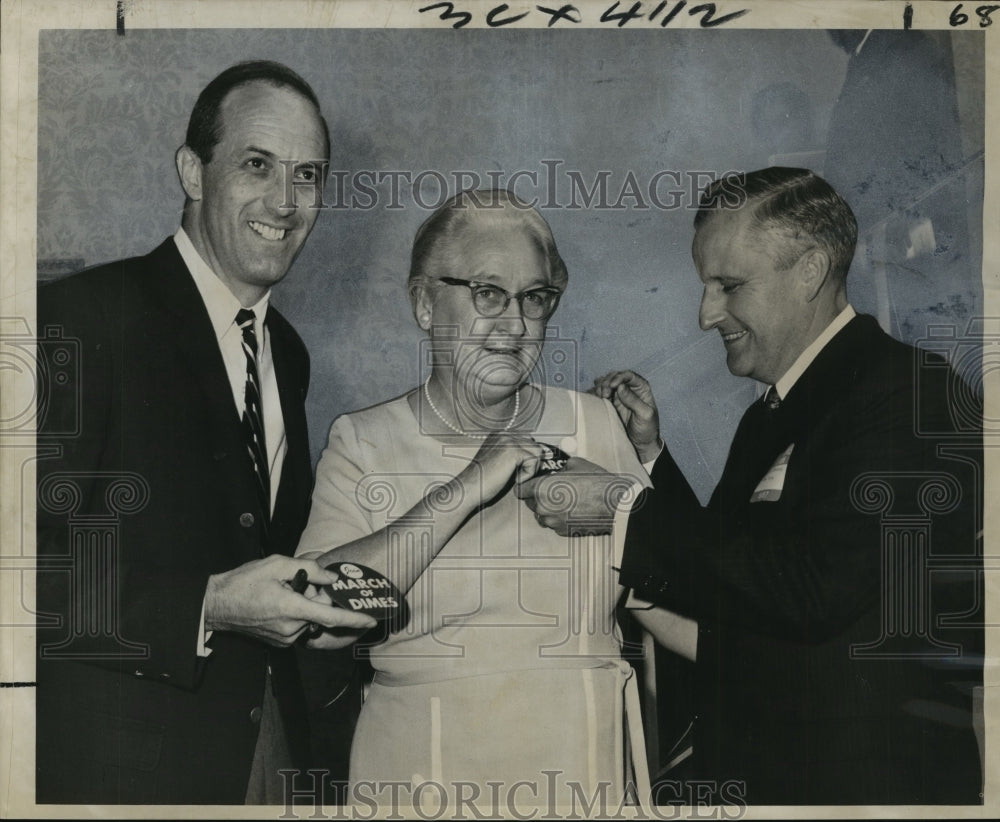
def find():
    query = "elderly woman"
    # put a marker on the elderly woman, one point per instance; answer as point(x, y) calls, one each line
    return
point(509, 669)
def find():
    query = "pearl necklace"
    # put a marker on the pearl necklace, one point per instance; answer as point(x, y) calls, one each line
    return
point(456, 429)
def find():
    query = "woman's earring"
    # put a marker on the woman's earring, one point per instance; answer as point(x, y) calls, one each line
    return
point(425, 320)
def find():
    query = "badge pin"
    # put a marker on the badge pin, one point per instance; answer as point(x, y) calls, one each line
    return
point(553, 459)
point(364, 590)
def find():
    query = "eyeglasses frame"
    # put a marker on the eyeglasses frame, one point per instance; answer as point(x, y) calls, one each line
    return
point(519, 296)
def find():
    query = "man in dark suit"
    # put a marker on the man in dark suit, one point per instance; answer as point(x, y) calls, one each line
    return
point(833, 575)
point(174, 481)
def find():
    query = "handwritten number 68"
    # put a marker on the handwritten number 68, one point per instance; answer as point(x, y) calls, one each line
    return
point(960, 18)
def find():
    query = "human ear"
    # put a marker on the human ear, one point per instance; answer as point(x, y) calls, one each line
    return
point(423, 306)
point(189, 170)
point(813, 270)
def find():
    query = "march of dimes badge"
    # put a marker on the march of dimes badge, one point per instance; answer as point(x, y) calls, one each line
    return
point(366, 591)
point(553, 459)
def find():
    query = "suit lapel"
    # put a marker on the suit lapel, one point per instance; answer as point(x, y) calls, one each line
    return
point(293, 486)
point(176, 304)
point(182, 312)
point(762, 435)
point(193, 337)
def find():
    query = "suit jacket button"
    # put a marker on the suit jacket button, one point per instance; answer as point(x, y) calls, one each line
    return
point(255, 715)
point(246, 520)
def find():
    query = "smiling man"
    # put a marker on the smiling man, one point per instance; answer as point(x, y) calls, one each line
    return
point(832, 580)
point(166, 676)
point(768, 321)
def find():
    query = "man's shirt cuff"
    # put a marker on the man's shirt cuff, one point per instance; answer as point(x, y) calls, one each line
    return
point(203, 635)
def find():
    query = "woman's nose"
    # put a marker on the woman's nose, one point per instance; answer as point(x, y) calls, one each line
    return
point(512, 318)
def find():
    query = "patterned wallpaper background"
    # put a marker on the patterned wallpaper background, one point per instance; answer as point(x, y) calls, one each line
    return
point(896, 125)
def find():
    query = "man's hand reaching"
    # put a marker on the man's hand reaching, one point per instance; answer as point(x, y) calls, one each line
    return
point(582, 498)
point(257, 599)
point(633, 400)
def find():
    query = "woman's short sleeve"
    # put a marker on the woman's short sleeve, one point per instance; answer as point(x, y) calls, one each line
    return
point(337, 516)
point(623, 459)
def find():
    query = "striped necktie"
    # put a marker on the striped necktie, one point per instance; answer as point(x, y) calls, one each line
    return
point(253, 412)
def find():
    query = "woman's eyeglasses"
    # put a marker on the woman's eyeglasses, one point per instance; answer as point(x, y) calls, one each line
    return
point(491, 300)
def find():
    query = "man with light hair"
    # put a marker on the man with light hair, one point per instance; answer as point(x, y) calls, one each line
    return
point(832, 585)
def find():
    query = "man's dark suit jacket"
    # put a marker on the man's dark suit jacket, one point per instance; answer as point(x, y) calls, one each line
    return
point(155, 411)
point(796, 697)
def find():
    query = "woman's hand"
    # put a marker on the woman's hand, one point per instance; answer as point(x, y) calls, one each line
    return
point(501, 457)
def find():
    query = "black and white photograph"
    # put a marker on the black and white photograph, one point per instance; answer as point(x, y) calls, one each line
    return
point(498, 410)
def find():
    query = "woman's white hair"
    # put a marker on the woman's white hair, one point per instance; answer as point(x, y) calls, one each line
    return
point(434, 248)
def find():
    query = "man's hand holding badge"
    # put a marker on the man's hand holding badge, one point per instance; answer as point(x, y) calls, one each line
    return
point(359, 590)
point(581, 497)
point(571, 495)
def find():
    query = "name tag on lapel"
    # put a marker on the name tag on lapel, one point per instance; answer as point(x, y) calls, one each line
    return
point(770, 487)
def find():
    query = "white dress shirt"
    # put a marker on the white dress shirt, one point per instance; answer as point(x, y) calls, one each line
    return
point(222, 306)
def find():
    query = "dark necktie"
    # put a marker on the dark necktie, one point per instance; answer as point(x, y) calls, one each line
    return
point(771, 398)
point(253, 412)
